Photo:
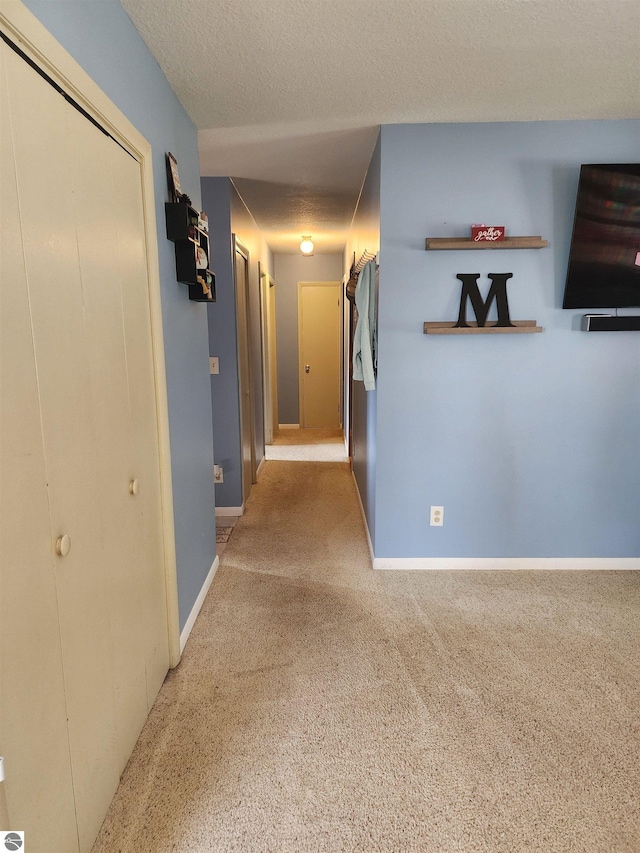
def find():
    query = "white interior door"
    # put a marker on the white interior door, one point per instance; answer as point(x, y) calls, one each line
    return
point(269, 356)
point(319, 330)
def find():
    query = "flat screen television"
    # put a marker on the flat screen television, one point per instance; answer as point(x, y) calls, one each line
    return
point(604, 261)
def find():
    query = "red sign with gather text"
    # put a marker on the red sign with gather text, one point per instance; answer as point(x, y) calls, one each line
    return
point(487, 233)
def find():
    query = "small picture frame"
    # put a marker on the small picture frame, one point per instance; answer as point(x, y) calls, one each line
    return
point(173, 179)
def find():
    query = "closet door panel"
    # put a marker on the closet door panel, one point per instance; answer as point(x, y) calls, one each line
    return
point(141, 381)
point(33, 720)
point(63, 353)
point(96, 209)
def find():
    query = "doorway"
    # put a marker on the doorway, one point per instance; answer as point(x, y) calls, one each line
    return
point(319, 339)
point(245, 384)
point(269, 356)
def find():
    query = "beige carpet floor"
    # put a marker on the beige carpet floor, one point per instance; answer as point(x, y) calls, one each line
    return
point(322, 706)
point(307, 445)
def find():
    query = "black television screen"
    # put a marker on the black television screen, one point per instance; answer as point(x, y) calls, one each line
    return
point(604, 261)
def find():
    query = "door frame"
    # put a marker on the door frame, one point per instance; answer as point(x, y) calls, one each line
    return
point(244, 318)
point(338, 286)
point(40, 47)
point(269, 354)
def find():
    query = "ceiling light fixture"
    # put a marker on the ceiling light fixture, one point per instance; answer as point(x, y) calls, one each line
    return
point(306, 246)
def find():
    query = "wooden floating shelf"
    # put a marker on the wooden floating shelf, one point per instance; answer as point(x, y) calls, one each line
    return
point(444, 243)
point(520, 327)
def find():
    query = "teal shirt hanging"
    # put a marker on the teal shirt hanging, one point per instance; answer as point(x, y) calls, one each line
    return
point(364, 341)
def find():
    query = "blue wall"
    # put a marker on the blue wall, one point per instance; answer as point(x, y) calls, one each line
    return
point(223, 343)
point(365, 237)
point(228, 215)
point(529, 441)
point(244, 226)
point(102, 39)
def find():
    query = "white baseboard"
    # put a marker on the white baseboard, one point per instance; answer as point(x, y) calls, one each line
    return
point(434, 564)
point(364, 519)
point(507, 563)
point(195, 610)
point(230, 510)
point(288, 426)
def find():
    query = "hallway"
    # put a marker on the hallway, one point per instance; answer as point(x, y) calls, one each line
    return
point(322, 706)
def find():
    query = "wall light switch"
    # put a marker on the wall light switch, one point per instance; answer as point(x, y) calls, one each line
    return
point(218, 474)
point(437, 516)
point(214, 365)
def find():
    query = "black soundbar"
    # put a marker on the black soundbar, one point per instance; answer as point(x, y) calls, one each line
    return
point(609, 323)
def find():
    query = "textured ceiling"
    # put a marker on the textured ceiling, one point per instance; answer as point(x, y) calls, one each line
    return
point(288, 94)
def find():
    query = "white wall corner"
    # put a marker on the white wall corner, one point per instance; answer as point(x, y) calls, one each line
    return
point(230, 510)
point(195, 610)
point(364, 519)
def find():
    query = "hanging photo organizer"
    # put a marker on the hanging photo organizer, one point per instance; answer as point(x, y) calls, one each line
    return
point(188, 230)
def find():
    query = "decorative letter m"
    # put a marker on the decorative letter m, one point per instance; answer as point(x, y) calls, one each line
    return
point(498, 291)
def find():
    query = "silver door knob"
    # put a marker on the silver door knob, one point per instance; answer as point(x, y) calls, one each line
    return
point(133, 487)
point(63, 545)
point(307, 368)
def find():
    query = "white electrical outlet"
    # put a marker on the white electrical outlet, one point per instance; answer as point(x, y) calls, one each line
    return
point(437, 516)
point(214, 364)
point(218, 474)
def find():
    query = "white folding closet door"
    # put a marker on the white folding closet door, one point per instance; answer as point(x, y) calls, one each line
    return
point(96, 208)
point(63, 353)
point(146, 508)
point(85, 319)
point(33, 719)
